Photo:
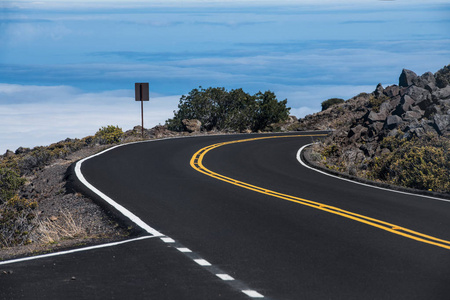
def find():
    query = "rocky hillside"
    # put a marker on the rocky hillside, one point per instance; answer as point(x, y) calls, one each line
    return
point(372, 130)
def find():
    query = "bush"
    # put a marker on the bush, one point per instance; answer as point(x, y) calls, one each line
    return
point(16, 217)
point(236, 110)
point(418, 163)
point(108, 135)
point(10, 183)
point(330, 102)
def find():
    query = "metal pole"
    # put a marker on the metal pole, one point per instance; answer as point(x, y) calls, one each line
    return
point(142, 117)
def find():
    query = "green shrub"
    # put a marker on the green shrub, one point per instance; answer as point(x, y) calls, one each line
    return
point(418, 163)
point(108, 135)
point(331, 150)
point(10, 183)
point(16, 215)
point(330, 102)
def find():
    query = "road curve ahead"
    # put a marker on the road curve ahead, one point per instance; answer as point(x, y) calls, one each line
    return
point(251, 211)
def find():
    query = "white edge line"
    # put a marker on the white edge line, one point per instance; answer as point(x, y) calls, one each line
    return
point(74, 250)
point(360, 183)
point(110, 201)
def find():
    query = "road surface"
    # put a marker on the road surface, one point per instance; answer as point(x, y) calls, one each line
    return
point(246, 220)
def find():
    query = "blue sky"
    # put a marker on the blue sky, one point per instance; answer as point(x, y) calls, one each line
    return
point(67, 68)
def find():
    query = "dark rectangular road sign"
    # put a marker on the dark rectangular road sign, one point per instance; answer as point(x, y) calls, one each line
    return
point(141, 91)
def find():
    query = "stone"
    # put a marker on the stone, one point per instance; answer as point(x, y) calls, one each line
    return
point(431, 87)
point(405, 105)
point(418, 93)
point(292, 119)
point(355, 132)
point(9, 153)
point(442, 94)
point(379, 90)
point(392, 91)
point(393, 122)
point(377, 117)
point(193, 125)
point(412, 115)
point(441, 123)
point(432, 110)
point(407, 78)
point(427, 126)
point(22, 150)
point(424, 103)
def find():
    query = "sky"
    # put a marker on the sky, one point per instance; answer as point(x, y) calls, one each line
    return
point(68, 68)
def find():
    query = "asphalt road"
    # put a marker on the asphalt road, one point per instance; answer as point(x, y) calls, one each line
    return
point(274, 247)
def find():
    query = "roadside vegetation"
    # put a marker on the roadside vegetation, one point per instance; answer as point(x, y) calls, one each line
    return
point(220, 110)
point(419, 163)
point(19, 215)
point(330, 102)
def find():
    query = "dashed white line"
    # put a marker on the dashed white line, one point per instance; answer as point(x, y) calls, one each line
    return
point(225, 277)
point(185, 250)
point(253, 294)
point(202, 262)
point(167, 240)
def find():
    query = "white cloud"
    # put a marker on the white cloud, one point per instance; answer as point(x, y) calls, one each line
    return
point(68, 112)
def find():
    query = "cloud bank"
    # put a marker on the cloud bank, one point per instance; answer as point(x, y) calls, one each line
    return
point(68, 112)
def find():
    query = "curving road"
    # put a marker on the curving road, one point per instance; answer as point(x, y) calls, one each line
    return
point(246, 220)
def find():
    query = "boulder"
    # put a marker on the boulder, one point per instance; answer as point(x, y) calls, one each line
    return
point(393, 122)
point(418, 93)
point(292, 119)
point(9, 153)
point(407, 78)
point(193, 125)
point(379, 90)
point(432, 110)
point(377, 117)
point(405, 105)
point(22, 150)
point(441, 123)
point(412, 115)
point(427, 126)
point(355, 132)
point(442, 94)
point(427, 78)
point(392, 91)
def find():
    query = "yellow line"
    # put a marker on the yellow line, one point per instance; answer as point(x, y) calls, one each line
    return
point(197, 164)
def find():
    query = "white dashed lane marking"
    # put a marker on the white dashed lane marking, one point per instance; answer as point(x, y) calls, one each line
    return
point(236, 284)
point(225, 277)
point(202, 262)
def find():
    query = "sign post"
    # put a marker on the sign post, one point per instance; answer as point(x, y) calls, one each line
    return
point(141, 92)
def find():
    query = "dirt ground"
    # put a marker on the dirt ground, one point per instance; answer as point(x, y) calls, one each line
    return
point(64, 220)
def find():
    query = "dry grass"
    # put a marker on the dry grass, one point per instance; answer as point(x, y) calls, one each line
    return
point(53, 229)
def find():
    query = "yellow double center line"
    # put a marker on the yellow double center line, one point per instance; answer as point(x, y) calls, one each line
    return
point(197, 164)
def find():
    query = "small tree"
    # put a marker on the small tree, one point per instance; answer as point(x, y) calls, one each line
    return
point(237, 110)
point(330, 102)
point(270, 110)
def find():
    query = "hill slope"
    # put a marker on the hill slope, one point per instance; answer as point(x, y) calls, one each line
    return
point(399, 134)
